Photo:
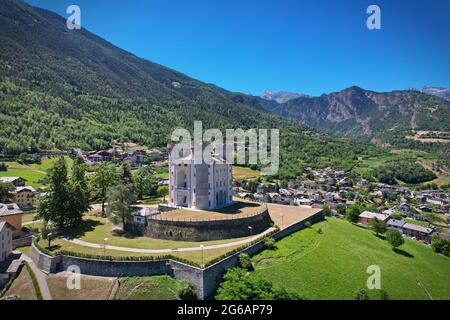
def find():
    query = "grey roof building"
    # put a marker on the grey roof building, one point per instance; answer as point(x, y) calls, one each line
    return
point(394, 223)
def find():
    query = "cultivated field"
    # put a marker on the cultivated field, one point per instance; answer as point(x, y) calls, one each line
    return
point(244, 173)
point(333, 264)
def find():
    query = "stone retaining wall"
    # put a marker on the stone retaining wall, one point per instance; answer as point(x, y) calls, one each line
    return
point(205, 281)
point(208, 230)
point(22, 242)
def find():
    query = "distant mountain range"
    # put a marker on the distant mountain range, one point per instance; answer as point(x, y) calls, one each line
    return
point(377, 117)
point(444, 93)
point(281, 96)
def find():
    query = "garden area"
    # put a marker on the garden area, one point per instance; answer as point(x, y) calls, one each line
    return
point(94, 230)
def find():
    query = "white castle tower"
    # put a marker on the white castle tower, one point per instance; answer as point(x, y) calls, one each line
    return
point(199, 186)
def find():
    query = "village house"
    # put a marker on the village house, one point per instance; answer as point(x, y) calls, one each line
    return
point(404, 208)
point(366, 216)
point(364, 182)
point(303, 202)
point(6, 231)
point(140, 216)
point(266, 188)
point(425, 208)
point(260, 197)
point(12, 214)
point(396, 224)
point(24, 196)
point(16, 181)
point(417, 232)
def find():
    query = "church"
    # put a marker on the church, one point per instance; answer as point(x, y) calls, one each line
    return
point(199, 186)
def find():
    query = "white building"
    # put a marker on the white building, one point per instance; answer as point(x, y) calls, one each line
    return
point(5, 240)
point(199, 186)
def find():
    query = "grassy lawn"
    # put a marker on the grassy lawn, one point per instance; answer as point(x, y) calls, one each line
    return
point(162, 171)
point(24, 250)
point(152, 200)
point(92, 288)
point(244, 173)
point(28, 216)
point(194, 256)
point(333, 264)
point(95, 229)
point(32, 173)
point(148, 288)
point(416, 222)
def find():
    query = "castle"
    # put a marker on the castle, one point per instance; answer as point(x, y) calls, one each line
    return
point(199, 186)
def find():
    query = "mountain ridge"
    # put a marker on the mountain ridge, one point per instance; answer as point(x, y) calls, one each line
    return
point(63, 88)
point(358, 113)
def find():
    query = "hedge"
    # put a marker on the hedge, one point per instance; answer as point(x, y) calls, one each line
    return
point(37, 289)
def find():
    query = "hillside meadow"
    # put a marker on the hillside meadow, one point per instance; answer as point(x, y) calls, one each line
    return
point(333, 264)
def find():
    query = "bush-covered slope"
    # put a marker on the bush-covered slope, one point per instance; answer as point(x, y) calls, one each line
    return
point(61, 89)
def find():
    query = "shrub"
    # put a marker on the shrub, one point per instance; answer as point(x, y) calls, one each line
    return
point(326, 210)
point(441, 245)
point(269, 243)
point(245, 261)
point(3, 166)
point(361, 294)
point(238, 284)
point(307, 224)
point(384, 295)
point(394, 237)
point(186, 291)
point(377, 226)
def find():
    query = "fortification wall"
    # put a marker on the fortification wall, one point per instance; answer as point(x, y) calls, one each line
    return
point(205, 281)
point(208, 230)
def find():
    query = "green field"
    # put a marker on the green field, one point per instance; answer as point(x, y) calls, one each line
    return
point(162, 171)
point(333, 264)
point(243, 173)
point(148, 288)
point(32, 173)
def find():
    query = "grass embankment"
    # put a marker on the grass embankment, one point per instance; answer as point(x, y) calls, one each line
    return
point(148, 288)
point(25, 285)
point(21, 286)
point(333, 264)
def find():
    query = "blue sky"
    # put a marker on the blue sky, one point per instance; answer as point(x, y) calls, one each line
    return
point(312, 47)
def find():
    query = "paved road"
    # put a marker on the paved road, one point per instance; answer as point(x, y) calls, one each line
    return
point(216, 246)
point(40, 276)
